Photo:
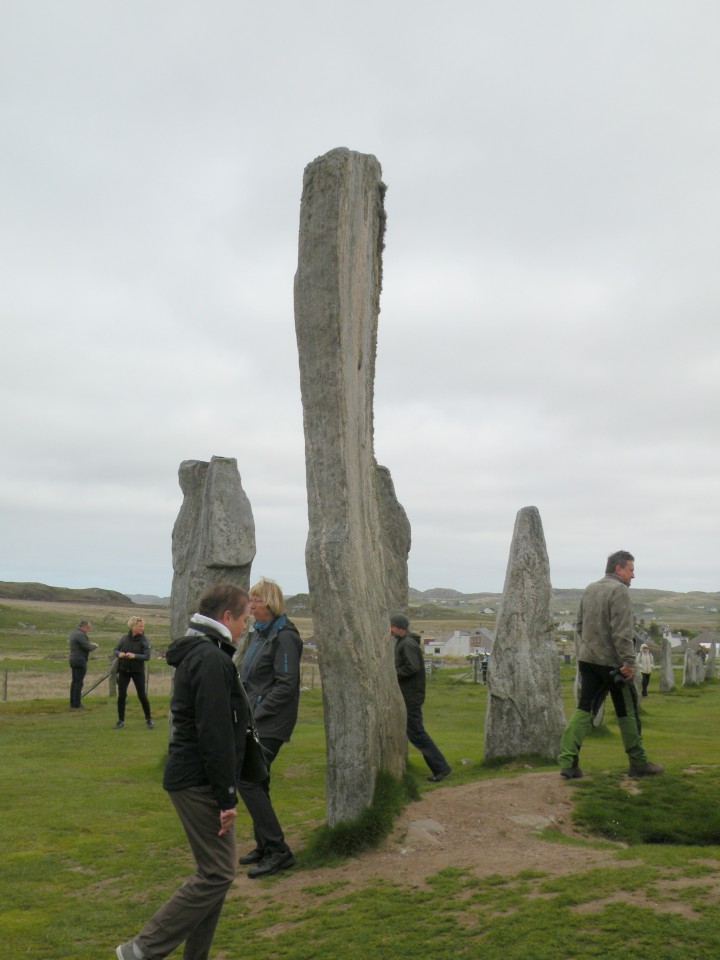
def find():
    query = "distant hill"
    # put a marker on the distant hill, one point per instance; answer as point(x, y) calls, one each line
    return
point(46, 594)
point(439, 593)
point(149, 600)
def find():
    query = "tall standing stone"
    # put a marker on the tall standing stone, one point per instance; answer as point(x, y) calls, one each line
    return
point(359, 535)
point(213, 538)
point(524, 713)
point(667, 674)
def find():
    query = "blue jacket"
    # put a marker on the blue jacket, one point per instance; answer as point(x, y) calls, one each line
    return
point(270, 673)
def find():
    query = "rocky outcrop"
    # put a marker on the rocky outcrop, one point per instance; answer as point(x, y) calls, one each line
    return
point(359, 535)
point(524, 714)
point(213, 538)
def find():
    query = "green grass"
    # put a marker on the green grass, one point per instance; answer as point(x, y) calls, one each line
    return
point(92, 847)
point(677, 808)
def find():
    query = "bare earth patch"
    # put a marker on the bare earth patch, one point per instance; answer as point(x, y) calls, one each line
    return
point(488, 827)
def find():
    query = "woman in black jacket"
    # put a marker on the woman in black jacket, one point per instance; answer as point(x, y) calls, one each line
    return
point(270, 673)
point(132, 650)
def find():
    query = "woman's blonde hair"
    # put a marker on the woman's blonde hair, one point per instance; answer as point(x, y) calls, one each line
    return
point(270, 594)
point(132, 621)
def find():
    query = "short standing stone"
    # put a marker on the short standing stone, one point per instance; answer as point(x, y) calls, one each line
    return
point(213, 538)
point(524, 709)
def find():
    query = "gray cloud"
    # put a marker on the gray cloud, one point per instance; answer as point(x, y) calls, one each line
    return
point(548, 331)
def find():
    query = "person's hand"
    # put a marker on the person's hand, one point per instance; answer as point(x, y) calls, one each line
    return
point(627, 671)
point(227, 819)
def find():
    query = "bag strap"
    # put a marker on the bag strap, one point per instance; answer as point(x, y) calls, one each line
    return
point(251, 719)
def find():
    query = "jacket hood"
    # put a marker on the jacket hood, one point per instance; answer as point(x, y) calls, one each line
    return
point(201, 630)
point(180, 648)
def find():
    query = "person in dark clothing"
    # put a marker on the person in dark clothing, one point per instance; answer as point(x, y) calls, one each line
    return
point(80, 649)
point(270, 673)
point(132, 652)
point(207, 745)
point(410, 670)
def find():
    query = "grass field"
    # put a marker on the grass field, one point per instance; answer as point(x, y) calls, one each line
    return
point(91, 845)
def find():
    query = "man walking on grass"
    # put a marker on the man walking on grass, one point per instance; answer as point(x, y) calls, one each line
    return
point(606, 664)
point(410, 669)
point(210, 719)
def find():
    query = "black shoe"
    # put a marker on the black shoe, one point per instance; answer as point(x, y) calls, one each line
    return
point(644, 769)
point(255, 856)
point(271, 863)
point(437, 777)
point(571, 773)
point(120, 724)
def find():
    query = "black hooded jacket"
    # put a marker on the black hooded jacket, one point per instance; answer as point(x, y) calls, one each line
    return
point(410, 669)
point(209, 716)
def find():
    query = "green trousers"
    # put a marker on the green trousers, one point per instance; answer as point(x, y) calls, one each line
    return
point(594, 685)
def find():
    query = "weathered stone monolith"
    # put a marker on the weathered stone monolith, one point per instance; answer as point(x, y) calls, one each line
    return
point(359, 535)
point(694, 666)
point(524, 713)
point(666, 681)
point(213, 538)
point(710, 662)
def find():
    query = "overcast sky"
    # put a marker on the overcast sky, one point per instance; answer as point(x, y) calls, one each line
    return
point(550, 325)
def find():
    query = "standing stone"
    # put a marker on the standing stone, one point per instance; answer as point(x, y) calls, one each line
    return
point(667, 675)
point(694, 667)
point(213, 538)
point(708, 638)
point(359, 535)
point(710, 662)
point(524, 713)
point(395, 541)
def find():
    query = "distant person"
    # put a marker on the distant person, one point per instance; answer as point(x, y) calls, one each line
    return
point(484, 667)
point(606, 664)
point(410, 670)
point(132, 653)
point(645, 662)
point(80, 649)
point(207, 746)
point(270, 673)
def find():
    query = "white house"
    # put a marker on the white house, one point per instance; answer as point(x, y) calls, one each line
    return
point(456, 644)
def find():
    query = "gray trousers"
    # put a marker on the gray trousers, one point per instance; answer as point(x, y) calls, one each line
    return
point(191, 915)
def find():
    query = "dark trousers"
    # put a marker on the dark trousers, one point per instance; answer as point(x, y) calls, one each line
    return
point(79, 669)
point(191, 914)
point(269, 837)
point(420, 738)
point(645, 682)
point(123, 681)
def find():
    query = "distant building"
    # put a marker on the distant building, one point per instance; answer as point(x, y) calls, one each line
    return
point(460, 643)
